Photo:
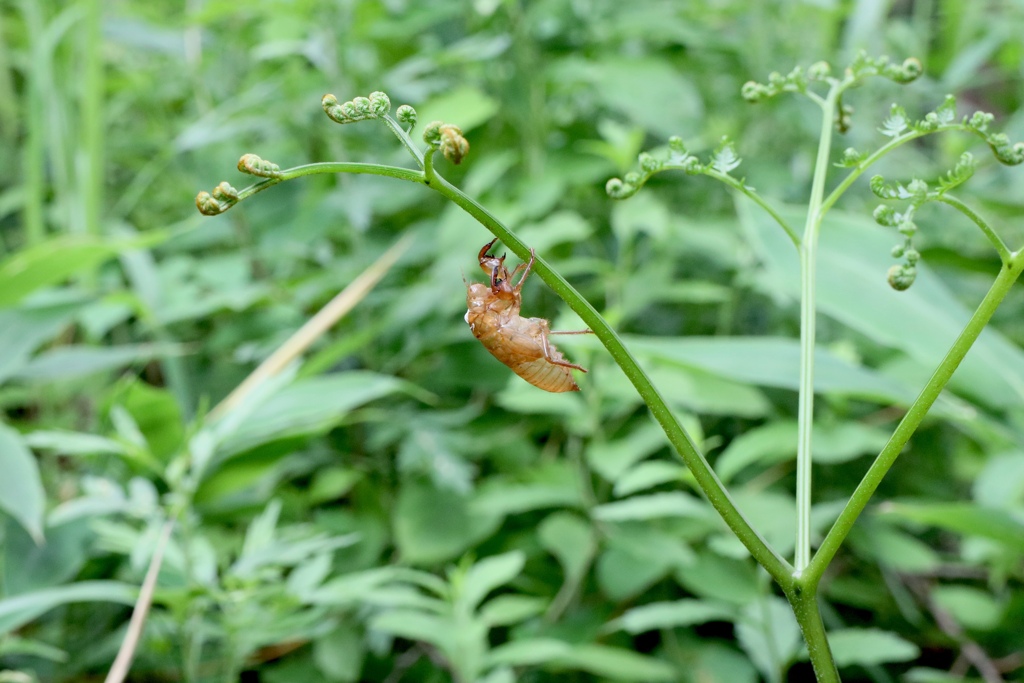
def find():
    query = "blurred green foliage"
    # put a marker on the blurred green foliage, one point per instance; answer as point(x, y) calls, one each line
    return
point(402, 507)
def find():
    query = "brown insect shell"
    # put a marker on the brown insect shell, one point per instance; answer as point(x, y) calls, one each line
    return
point(493, 317)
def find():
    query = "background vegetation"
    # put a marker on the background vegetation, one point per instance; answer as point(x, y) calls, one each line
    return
point(351, 520)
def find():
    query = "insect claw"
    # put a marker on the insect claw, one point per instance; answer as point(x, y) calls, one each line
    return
point(483, 252)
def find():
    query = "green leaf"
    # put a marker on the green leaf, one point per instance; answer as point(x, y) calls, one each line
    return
point(56, 259)
point(650, 474)
point(12, 646)
point(419, 626)
point(659, 615)
point(721, 579)
point(1001, 483)
point(17, 611)
point(466, 107)
point(769, 634)
point(22, 330)
point(432, 525)
point(964, 518)
point(617, 664)
point(527, 652)
point(571, 540)
point(612, 458)
point(29, 565)
point(307, 406)
point(350, 589)
point(971, 607)
point(893, 548)
point(339, 654)
point(506, 610)
point(69, 362)
point(922, 321)
point(488, 574)
point(868, 646)
point(74, 443)
point(650, 92)
point(769, 362)
point(21, 489)
point(653, 506)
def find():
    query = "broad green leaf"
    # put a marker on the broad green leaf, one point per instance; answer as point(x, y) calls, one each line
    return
point(12, 646)
point(650, 474)
point(769, 634)
point(571, 540)
point(56, 259)
point(17, 611)
point(893, 548)
point(964, 518)
point(432, 525)
point(636, 557)
point(466, 107)
point(971, 607)
point(659, 615)
point(21, 489)
point(527, 652)
point(308, 406)
point(711, 661)
point(419, 626)
point(1001, 483)
point(69, 362)
point(29, 565)
point(869, 646)
point(557, 228)
point(74, 443)
point(611, 459)
point(498, 496)
point(506, 610)
point(24, 329)
point(348, 590)
point(650, 92)
point(770, 362)
point(339, 654)
point(617, 664)
point(488, 574)
point(922, 321)
point(722, 579)
point(652, 506)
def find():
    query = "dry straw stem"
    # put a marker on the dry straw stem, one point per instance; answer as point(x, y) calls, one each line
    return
point(315, 327)
point(123, 661)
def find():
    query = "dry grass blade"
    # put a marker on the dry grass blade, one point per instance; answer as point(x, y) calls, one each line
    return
point(325, 318)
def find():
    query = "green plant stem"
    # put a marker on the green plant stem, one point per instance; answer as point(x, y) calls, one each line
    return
point(1008, 274)
point(404, 138)
point(803, 599)
point(749, 192)
point(776, 566)
point(808, 324)
point(92, 118)
point(33, 154)
point(1004, 252)
point(893, 144)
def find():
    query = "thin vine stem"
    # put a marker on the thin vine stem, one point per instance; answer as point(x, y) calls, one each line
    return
point(875, 156)
point(1008, 275)
point(774, 564)
point(1004, 252)
point(739, 186)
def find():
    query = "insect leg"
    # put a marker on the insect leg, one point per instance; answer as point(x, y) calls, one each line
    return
point(570, 332)
point(487, 247)
point(545, 345)
point(526, 273)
